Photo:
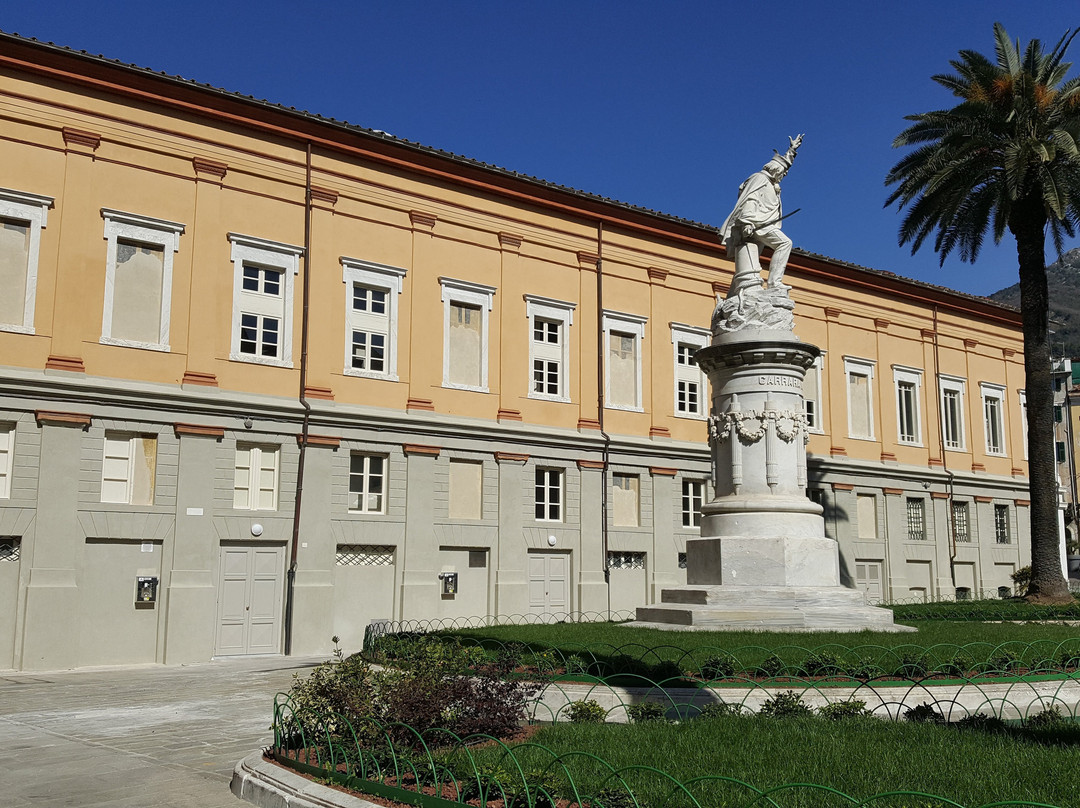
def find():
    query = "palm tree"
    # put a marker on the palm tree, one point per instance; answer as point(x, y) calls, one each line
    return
point(1005, 157)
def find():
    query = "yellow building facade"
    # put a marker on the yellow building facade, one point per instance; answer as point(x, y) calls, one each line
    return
point(267, 377)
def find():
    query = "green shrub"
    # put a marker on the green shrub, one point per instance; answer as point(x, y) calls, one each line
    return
point(823, 664)
point(1022, 580)
point(839, 710)
point(576, 664)
point(718, 709)
point(1004, 661)
point(772, 666)
point(646, 711)
point(957, 667)
point(613, 798)
point(923, 713)
point(982, 722)
point(785, 705)
point(1050, 718)
point(865, 668)
point(718, 667)
point(912, 666)
point(586, 712)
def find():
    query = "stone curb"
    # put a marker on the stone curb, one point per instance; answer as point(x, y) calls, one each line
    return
point(260, 782)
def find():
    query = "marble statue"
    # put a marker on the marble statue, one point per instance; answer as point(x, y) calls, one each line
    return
point(755, 223)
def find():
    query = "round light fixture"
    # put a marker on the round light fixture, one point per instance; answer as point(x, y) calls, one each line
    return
point(551, 541)
point(256, 529)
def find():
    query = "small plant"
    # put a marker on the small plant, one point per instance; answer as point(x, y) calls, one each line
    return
point(614, 798)
point(1004, 661)
point(718, 709)
point(576, 664)
point(1050, 718)
point(957, 667)
point(912, 666)
point(865, 668)
point(646, 711)
point(772, 666)
point(923, 713)
point(785, 705)
point(840, 710)
point(981, 722)
point(718, 667)
point(586, 712)
point(823, 664)
point(1022, 581)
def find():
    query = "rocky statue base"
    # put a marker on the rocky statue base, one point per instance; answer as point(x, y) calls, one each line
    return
point(763, 561)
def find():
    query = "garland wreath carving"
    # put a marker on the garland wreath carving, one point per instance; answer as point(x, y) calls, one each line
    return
point(750, 425)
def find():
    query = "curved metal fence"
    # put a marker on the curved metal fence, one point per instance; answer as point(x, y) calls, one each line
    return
point(438, 769)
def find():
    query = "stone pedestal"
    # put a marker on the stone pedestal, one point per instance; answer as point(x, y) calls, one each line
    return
point(763, 560)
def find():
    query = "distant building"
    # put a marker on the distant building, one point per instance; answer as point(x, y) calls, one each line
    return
point(475, 390)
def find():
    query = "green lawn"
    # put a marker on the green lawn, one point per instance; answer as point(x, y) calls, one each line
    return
point(860, 757)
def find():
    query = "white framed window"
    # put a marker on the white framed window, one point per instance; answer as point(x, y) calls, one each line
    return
point(811, 389)
point(549, 495)
point(908, 383)
point(625, 500)
point(7, 454)
point(693, 496)
point(22, 217)
point(691, 384)
point(128, 468)
point(1023, 421)
point(371, 318)
point(263, 283)
point(952, 411)
point(466, 310)
point(860, 377)
point(138, 279)
point(623, 335)
point(255, 486)
point(549, 347)
point(993, 401)
point(466, 489)
point(367, 483)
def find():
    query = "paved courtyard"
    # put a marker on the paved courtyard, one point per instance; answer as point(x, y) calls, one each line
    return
point(136, 736)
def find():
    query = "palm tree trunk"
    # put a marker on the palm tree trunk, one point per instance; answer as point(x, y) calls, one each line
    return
point(1027, 224)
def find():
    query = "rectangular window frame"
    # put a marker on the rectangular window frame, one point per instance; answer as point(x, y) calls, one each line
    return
point(360, 494)
point(915, 513)
point(549, 494)
point(273, 255)
point(159, 233)
point(1002, 528)
point(689, 374)
point(947, 387)
point(630, 483)
point(691, 502)
point(127, 443)
point(633, 326)
point(812, 400)
point(356, 272)
point(854, 366)
point(7, 458)
point(33, 210)
point(468, 294)
point(1022, 395)
point(960, 516)
point(993, 397)
point(907, 378)
point(561, 313)
point(256, 454)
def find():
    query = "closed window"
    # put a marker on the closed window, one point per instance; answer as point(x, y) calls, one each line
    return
point(1001, 525)
point(255, 483)
point(466, 307)
point(908, 383)
point(466, 489)
point(916, 519)
point(7, 453)
point(623, 334)
point(952, 412)
point(626, 500)
point(128, 468)
point(960, 522)
point(138, 279)
point(549, 347)
point(371, 315)
point(994, 418)
point(691, 384)
point(367, 483)
point(860, 374)
point(22, 218)
point(693, 495)
point(622, 560)
point(811, 389)
point(263, 300)
point(549, 495)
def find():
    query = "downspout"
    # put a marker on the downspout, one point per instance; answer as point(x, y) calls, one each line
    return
point(600, 376)
point(949, 526)
point(291, 575)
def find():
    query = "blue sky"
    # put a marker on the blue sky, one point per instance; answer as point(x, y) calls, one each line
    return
point(664, 105)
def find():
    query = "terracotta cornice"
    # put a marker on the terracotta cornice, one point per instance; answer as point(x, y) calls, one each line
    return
point(832, 313)
point(1017, 472)
point(54, 418)
point(978, 467)
point(658, 471)
point(420, 218)
point(659, 432)
point(197, 377)
point(719, 288)
point(510, 242)
point(198, 431)
point(72, 364)
point(970, 343)
point(588, 259)
point(843, 487)
point(881, 324)
point(592, 465)
point(926, 333)
point(894, 492)
point(510, 457)
point(211, 168)
point(324, 393)
point(324, 195)
point(80, 137)
point(1008, 353)
point(888, 457)
point(417, 449)
point(329, 441)
point(425, 404)
point(1023, 503)
point(984, 500)
point(657, 275)
point(837, 451)
point(935, 462)
point(939, 494)
point(588, 423)
point(508, 415)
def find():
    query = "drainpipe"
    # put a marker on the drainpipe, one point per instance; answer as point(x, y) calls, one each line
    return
point(291, 575)
point(600, 366)
point(949, 526)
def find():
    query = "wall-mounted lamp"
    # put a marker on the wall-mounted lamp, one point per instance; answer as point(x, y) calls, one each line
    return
point(926, 485)
point(248, 423)
point(256, 529)
point(552, 541)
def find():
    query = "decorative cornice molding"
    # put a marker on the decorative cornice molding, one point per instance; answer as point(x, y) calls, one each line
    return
point(80, 137)
point(592, 465)
point(1008, 353)
point(888, 457)
point(926, 333)
point(425, 404)
point(199, 378)
point(1023, 503)
point(421, 218)
point(73, 364)
point(417, 449)
point(970, 343)
point(719, 288)
point(510, 457)
point(659, 432)
point(881, 324)
point(211, 168)
point(939, 494)
point(984, 500)
point(509, 415)
point(324, 393)
point(327, 195)
point(198, 431)
point(658, 471)
point(588, 423)
point(837, 451)
point(895, 492)
point(657, 275)
point(329, 441)
point(978, 466)
point(832, 313)
point(54, 418)
point(588, 259)
point(934, 462)
point(510, 242)
point(843, 487)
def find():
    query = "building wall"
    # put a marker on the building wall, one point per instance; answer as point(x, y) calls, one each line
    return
point(217, 191)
